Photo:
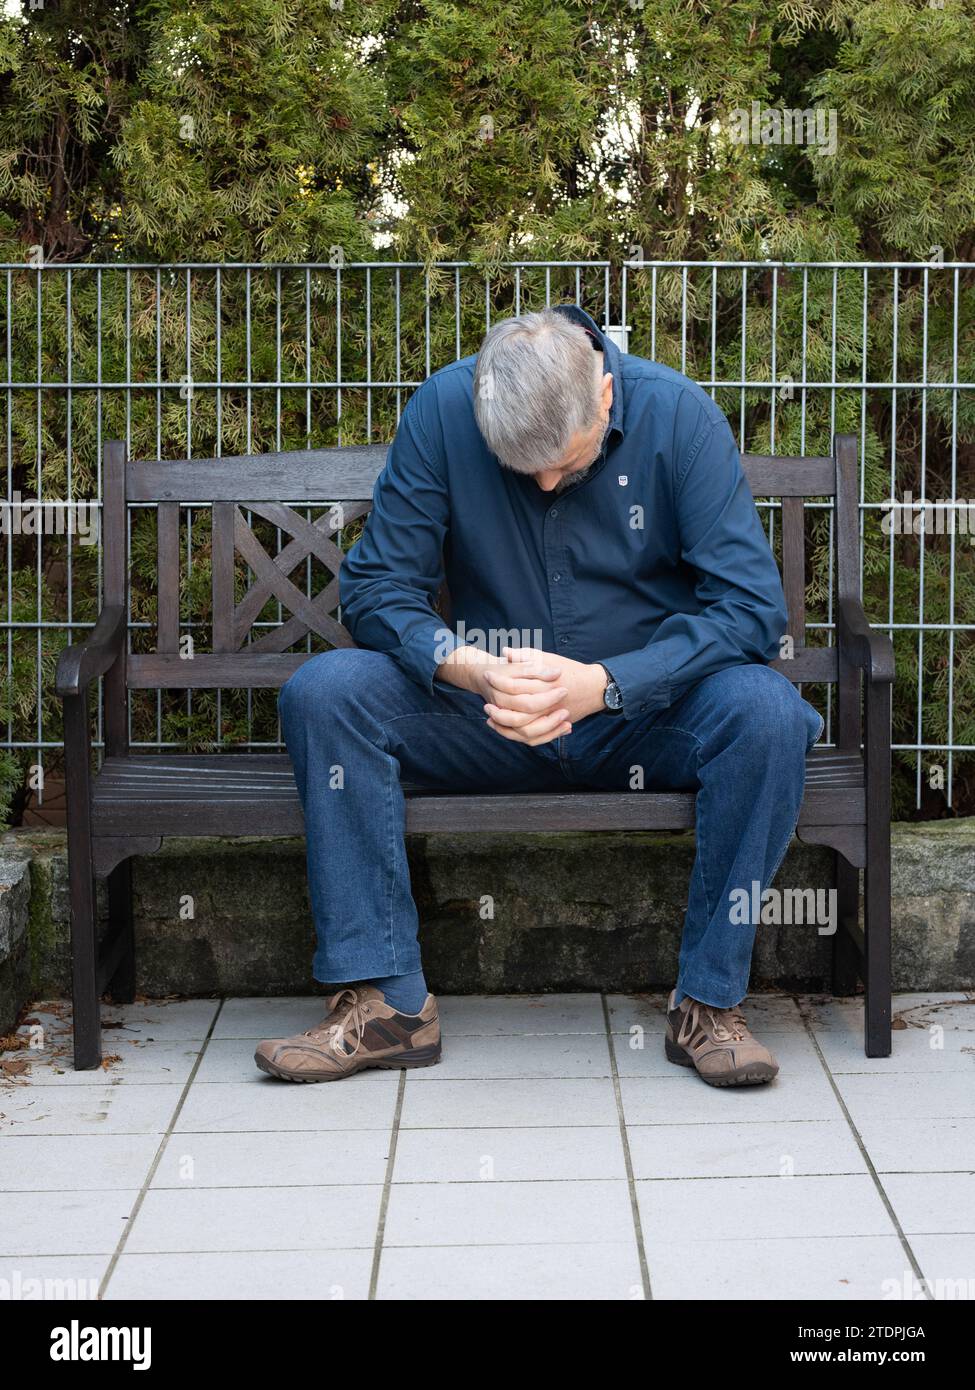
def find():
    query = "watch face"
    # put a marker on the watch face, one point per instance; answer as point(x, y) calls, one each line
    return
point(613, 696)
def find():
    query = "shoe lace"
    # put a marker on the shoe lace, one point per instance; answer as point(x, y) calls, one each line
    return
point(727, 1025)
point(352, 1019)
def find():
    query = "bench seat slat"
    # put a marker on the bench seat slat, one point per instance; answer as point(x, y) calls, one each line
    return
point(230, 793)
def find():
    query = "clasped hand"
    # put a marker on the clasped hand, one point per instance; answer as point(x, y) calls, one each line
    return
point(534, 696)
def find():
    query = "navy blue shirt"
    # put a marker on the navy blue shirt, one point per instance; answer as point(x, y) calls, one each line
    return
point(656, 564)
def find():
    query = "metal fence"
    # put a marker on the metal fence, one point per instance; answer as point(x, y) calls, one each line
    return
point(199, 360)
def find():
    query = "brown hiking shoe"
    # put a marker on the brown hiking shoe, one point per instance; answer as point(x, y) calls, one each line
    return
point(360, 1030)
point(717, 1043)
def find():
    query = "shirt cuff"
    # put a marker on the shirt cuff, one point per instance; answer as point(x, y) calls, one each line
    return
point(425, 650)
point(643, 679)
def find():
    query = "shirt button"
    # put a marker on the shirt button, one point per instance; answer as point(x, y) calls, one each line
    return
point(556, 577)
point(554, 511)
point(563, 641)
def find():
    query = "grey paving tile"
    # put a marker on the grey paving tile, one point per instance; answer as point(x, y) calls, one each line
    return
point(933, 1203)
point(159, 1021)
point(367, 1101)
point(256, 1218)
point(794, 1052)
point(759, 1209)
point(637, 1012)
point(51, 1277)
point(947, 1266)
point(63, 1223)
point(683, 1098)
point(229, 1060)
point(503, 1272)
point(951, 1010)
point(76, 1162)
point(508, 1104)
point(926, 999)
point(907, 1095)
point(836, 1268)
point(172, 1020)
point(508, 1155)
point(124, 1061)
point(461, 1015)
point(274, 1159)
point(766, 1013)
point(913, 1050)
point(269, 1018)
point(464, 1015)
point(539, 1056)
point(686, 1152)
point(536, 1056)
point(937, 1146)
point(508, 1213)
point(292, 1275)
point(105, 1109)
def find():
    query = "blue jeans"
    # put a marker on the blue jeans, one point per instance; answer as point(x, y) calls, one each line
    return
point(355, 725)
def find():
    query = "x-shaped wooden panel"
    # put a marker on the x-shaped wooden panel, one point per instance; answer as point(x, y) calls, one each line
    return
point(271, 576)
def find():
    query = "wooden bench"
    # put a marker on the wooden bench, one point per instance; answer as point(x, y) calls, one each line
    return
point(135, 800)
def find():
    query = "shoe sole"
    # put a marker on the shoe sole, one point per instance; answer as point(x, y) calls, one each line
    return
point(755, 1075)
point(420, 1057)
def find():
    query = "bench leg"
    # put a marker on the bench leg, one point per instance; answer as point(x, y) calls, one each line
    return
point(846, 956)
point(81, 888)
point(86, 1007)
point(876, 935)
point(122, 984)
point(876, 879)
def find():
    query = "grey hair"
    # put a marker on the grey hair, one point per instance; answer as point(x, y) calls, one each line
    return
point(536, 383)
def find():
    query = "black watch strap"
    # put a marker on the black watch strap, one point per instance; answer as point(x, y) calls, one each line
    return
point(612, 695)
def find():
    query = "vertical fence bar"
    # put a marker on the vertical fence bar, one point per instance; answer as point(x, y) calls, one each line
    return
point(69, 445)
point(39, 592)
point(921, 557)
point(950, 734)
point(10, 497)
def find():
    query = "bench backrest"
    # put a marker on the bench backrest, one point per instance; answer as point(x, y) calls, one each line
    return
point(252, 486)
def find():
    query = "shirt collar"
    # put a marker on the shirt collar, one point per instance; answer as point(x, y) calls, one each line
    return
point(611, 358)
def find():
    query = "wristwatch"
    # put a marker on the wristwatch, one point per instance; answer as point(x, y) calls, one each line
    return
point(612, 696)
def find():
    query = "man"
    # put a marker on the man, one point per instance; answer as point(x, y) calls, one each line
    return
point(594, 503)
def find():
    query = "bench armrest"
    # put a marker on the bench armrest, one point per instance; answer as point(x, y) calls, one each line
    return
point(80, 664)
point(872, 652)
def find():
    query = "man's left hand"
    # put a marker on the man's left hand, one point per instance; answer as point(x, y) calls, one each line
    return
point(513, 708)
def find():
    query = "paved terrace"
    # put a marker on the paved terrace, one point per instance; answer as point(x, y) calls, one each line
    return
point(553, 1154)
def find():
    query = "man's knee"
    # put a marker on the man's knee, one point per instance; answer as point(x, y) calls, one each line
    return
point(767, 711)
point(330, 682)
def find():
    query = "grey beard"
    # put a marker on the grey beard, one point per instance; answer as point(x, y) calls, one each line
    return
point(583, 473)
point(575, 478)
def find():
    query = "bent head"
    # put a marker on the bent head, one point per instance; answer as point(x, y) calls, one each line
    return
point(542, 398)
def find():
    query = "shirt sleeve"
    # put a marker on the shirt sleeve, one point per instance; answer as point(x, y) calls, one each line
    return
point(743, 612)
point(390, 578)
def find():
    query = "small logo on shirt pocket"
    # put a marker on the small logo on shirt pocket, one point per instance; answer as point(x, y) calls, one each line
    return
point(622, 480)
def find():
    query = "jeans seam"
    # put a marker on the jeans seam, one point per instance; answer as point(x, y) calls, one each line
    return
point(674, 729)
point(432, 714)
point(391, 852)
